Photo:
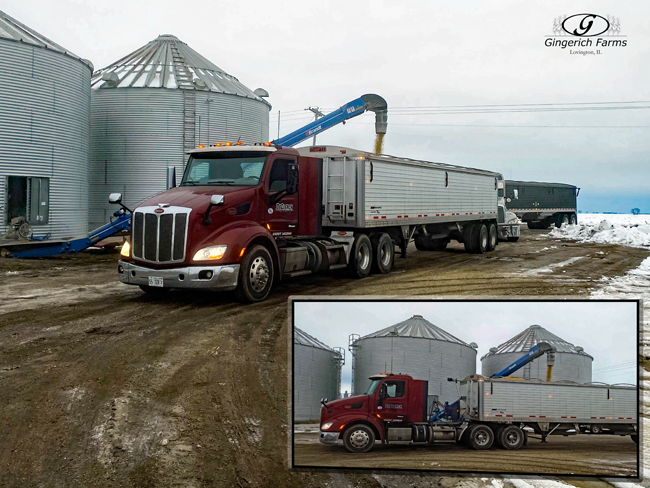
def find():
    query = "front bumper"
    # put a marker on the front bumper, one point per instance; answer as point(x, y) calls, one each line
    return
point(329, 437)
point(509, 230)
point(196, 277)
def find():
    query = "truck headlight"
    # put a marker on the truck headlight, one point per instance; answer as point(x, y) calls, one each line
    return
point(210, 253)
point(326, 425)
point(126, 249)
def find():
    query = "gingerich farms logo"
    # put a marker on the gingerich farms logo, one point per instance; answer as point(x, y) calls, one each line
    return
point(590, 31)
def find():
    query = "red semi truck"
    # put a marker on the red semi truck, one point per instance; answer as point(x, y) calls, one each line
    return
point(245, 216)
point(489, 411)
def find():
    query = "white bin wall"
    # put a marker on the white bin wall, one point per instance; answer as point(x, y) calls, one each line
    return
point(568, 366)
point(316, 375)
point(423, 359)
point(44, 132)
point(138, 132)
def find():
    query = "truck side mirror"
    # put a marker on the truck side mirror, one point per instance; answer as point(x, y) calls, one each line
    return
point(383, 393)
point(215, 201)
point(115, 198)
point(171, 177)
point(292, 179)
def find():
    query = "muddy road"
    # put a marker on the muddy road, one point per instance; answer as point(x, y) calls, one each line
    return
point(101, 385)
point(576, 455)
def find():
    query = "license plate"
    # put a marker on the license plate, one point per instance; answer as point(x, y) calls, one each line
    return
point(155, 281)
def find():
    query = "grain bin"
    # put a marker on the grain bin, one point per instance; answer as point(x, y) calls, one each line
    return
point(415, 347)
point(154, 104)
point(572, 363)
point(44, 133)
point(316, 375)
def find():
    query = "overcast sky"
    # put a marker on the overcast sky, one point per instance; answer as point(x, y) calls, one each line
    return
point(606, 330)
point(414, 54)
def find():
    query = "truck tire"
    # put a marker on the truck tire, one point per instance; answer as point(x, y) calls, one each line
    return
point(573, 220)
point(255, 275)
point(595, 429)
point(470, 238)
point(534, 225)
point(360, 257)
point(482, 239)
point(511, 438)
point(561, 219)
point(359, 438)
point(383, 252)
point(153, 290)
point(481, 437)
point(513, 239)
point(493, 237)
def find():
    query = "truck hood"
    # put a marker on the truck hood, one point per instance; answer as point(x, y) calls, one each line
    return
point(198, 197)
point(355, 404)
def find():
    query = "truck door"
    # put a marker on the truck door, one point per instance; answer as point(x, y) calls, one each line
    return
point(281, 215)
point(393, 403)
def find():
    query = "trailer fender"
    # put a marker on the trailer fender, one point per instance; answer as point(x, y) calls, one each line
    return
point(239, 236)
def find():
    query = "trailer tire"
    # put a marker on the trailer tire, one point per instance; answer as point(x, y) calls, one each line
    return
point(359, 438)
point(534, 225)
point(573, 220)
point(482, 239)
point(153, 290)
point(561, 219)
point(493, 237)
point(383, 253)
point(470, 238)
point(424, 243)
point(481, 437)
point(360, 257)
point(255, 275)
point(513, 239)
point(511, 438)
point(595, 429)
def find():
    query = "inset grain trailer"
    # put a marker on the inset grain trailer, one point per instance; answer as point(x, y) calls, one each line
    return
point(541, 205)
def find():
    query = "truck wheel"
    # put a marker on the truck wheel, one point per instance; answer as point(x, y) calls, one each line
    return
point(482, 238)
point(153, 290)
point(360, 257)
point(511, 437)
point(513, 239)
point(533, 225)
point(255, 275)
point(470, 238)
point(493, 237)
point(573, 220)
point(383, 252)
point(635, 438)
point(561, 219)
point(596, 429)
point(481, 437)
point(359, 438)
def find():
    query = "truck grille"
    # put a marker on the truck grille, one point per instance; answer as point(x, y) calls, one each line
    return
point(160, 237)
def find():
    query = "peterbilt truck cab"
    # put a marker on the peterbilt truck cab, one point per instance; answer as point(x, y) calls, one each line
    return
point(226, 226)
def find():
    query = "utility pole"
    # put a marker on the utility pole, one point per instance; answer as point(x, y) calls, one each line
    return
point(317, 115)
point(278, 124)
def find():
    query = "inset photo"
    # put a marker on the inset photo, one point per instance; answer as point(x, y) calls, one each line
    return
point(520, 387)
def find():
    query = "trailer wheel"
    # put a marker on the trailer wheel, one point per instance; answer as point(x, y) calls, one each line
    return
point(561, 219)
point(470, 237)
point(383, 252)
point(255, 275)
point(482, 239)
point(511, 437)
point(493, 237)
point(534, 225)
point(595, 429)
point(481, 437)
point(360, 257)
point(573, 220)
point(359, 438)
point(635, 438)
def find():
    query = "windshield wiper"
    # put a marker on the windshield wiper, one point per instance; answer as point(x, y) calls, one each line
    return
point(189, 183)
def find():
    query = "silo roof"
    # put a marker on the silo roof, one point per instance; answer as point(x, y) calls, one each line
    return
point(534, 334)
point(13, 30)
point(418, 327)
point(167, 62)
point(301, 337)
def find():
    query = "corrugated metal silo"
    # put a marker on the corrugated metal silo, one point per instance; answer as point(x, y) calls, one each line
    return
point(316, 375)
point(571, 362)
point(44, 133)
point(154, 104)
point(415, 347)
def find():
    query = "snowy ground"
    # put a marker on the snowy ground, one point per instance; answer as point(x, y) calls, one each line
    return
point(625, 230)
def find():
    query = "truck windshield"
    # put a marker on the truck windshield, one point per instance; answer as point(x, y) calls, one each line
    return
point(224, 169)
point(372, 387)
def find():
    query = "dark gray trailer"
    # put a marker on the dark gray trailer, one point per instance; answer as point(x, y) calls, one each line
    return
point(541, 205)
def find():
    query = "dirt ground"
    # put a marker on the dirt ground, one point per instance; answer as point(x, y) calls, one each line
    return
point(103, 386)
point(576, 455)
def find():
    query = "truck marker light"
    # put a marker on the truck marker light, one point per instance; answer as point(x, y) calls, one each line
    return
point(239, 144)
point(243, 249)
point(341, 428)
point(218, 144)
point(228, 144)
point(268, 226)
point(126, 249)
point(201, 146)
point(267, 143)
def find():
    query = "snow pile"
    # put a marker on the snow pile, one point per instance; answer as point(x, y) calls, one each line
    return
point(626, 230)
point(634, 282)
